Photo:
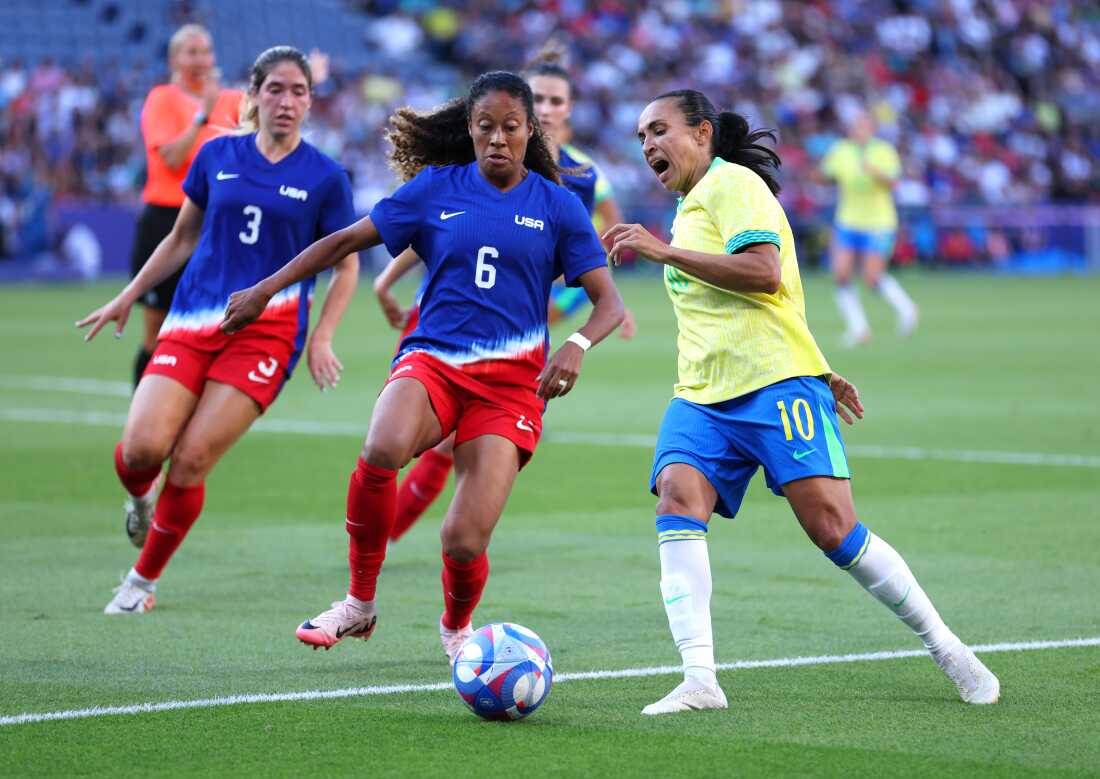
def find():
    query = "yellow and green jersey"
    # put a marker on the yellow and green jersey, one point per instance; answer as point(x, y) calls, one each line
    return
point(733, 343)
point(863, 202)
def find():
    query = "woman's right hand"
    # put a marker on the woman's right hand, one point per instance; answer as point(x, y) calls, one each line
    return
point(118, 310)
point(244, 308)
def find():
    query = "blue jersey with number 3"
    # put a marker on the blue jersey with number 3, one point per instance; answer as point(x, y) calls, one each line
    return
point(491, 257)
point(257, 216)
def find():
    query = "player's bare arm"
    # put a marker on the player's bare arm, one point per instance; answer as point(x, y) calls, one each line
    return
point(168, 257)
point(754, 269)
point(324, 366)
point(561, 371)
point(246, 305)
point(396, 315)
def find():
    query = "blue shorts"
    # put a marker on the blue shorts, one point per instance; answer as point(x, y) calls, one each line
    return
point(790, 428)
point(863, 242)
point(567, 300)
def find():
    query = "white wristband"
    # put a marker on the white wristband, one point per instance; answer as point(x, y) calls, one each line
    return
point(580, 341)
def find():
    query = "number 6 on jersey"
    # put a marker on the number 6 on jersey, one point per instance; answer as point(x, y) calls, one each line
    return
point(485, 275)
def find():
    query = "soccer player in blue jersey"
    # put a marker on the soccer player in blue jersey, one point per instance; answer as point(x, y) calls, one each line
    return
point(487, 214)
point(250, 197)
point(552, 90)
point(754, 391)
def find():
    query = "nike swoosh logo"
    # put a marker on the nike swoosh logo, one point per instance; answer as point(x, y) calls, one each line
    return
point(904, 598)
point(223, 176)
point(670, 601)
point(522, 424)
point(402, 368)
point(444, 216)
point(356, 628)
point(800, 455)
point(258, 379)
point(134, 607)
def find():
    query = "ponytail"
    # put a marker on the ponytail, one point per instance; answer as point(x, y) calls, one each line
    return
point(732, 140)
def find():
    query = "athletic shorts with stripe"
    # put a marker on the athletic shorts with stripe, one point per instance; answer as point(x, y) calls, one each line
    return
point(257, 366)
point(789, 428)
point(473, 406)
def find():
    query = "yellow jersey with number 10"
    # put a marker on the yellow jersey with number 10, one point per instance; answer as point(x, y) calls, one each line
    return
point(733, 343)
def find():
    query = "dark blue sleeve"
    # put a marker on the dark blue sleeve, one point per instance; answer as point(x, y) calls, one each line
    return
point(337, 208)
point(399, 216)
point(196, 186)
point(579, 249)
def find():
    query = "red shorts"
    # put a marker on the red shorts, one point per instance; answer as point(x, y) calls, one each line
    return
point(255, 366)
point(471, 407)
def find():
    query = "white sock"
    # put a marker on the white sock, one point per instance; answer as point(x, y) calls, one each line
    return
point(685, 590)
point(136, 579)
point(897, 297)
point(884, 574)
point(847, 300)
point(362, 605)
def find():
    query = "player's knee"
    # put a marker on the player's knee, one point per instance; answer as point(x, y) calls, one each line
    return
point(871, 279)
point(141, 452)
point(829, 526)
point(190, 464)
point(386, 450)
point(674, 501)
point(462, 547)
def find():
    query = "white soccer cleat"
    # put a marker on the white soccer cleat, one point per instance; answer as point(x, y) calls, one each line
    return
point(343, 620)
point(139, 513)
point(689, 695)
point(130, 599)
point(976, 683)
point(453, 640)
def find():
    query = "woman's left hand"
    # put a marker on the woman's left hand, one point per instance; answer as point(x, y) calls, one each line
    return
point(560, 373)
point(324, 367)
point(244, 308)
point(847, 398)
point(623, 237)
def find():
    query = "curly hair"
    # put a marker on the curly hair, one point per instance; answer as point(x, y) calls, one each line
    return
point(732, 140)
point(442, 136)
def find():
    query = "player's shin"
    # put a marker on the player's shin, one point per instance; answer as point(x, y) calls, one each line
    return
point(419, 489)
point(463, 584)
point(137, 481)
point(372, 494)
point(855, 320)
point(177, 510)
point(686, 590)
point(882, 572)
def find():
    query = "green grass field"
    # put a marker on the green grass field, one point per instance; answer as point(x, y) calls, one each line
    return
point(1004, 535)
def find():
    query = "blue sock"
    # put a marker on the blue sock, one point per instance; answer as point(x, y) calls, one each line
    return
point(677, 527)
point(851, 549)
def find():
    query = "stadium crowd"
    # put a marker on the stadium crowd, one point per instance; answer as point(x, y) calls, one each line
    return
point(994, 101)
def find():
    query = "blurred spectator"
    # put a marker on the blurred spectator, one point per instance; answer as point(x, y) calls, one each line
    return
point(995, 101)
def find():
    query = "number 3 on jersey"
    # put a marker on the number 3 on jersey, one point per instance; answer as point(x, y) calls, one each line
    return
point(251, 232)
point(485, 275)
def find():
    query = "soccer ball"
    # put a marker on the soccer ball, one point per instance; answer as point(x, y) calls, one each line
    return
point(503, 672)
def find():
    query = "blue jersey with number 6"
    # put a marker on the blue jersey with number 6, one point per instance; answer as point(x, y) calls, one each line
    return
point(491, 257)
point(257, 216)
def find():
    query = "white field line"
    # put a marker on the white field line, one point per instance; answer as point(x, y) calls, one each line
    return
point(624, 673)
point(316, 428)
point(114, 389)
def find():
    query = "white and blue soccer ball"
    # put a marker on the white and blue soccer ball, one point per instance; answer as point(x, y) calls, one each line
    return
point(503, 672)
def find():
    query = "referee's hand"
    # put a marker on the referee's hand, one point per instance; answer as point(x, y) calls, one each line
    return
point(244, 308)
